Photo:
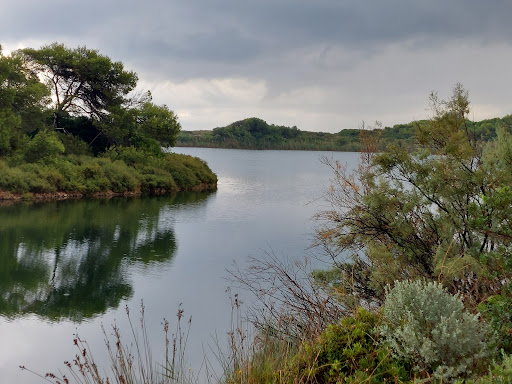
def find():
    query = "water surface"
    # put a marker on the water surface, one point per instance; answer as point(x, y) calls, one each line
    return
point(70, 266)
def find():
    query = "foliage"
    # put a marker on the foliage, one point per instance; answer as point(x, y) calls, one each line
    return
point(128, 171)
point(93, 99)
point(428, 327)
point(159, 123)
point(82, 80)
point(44, 145)
point(348, 352)
point(254, 133)
point(73, 145)
point(497, 310)
point(439, 213)
point(22, 97)
point(188, 171)
point(95, 113)
point(499, 373)
point(142, 124)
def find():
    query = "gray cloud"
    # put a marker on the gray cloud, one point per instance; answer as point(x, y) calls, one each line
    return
point(325, 61)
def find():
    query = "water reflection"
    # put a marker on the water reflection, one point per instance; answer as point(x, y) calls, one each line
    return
point(71, 259)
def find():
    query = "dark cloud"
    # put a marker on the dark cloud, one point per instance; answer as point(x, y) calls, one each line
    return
point(331, 55)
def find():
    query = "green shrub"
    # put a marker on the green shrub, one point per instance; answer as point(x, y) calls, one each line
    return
point(183, 175)
point(73, 178)
point(155, 179)
point(52, 176)
point(94, 178)
point(44, 145)
point(429, 328)
point(14, 180)
point(497, 310)
point(50, 172)
point(349, 352)
point(41, 178)
point(121, 178)
point(129, 155)
point(196, 165)
point(499, 373)
point(74, 145)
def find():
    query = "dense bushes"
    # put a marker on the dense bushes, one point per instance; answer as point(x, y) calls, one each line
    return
point(86, 175)
point(497, 310)
point(349, 352)
point(421, 334)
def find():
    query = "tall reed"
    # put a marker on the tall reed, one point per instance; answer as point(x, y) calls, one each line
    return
point(129, 362)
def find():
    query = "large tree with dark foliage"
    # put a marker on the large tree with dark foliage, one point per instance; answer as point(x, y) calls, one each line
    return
point(82, 81)
point(93, 98)
point(22, 99)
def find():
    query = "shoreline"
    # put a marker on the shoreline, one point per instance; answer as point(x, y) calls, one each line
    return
point(12, 197)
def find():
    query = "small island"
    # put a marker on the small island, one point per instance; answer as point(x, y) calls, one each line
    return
point(73, 124)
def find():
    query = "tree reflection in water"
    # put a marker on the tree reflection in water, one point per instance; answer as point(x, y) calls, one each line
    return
point(71, 259)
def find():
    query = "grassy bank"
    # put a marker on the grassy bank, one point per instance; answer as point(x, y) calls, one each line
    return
point(124, 171)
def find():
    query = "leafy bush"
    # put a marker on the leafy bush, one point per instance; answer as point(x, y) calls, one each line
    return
point(198, 166)
point(498, 373)
point(349, 352)
point(44, 145)
point(429, 328)
point(74, 145)
point(41, 178)
point(50, 172)
point(155, 179)
point(184, 176)
point(73, 177)
point(14, 180)
point(130, 155)
point(497, 310)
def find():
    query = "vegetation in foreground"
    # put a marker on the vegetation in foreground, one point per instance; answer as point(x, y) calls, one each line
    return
point(420, 285)
point(73, 123)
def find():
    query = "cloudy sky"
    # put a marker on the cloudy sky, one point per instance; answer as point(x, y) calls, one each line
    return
point(322, 65)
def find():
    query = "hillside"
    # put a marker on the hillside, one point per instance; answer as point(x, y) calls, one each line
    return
point(255, 133)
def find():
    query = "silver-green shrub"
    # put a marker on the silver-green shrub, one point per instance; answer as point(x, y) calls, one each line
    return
point(429, 328)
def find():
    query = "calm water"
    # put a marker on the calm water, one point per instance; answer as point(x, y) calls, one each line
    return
point(71, 266)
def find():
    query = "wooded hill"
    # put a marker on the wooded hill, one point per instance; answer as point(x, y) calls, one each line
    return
point(255, 133)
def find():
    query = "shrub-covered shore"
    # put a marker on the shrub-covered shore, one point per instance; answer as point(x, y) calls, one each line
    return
point(73, 124)
point(124, 171)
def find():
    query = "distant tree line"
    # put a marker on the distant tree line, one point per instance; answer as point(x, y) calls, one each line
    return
point(255, 133)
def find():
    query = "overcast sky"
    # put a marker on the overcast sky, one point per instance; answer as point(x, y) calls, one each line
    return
point(322, 65)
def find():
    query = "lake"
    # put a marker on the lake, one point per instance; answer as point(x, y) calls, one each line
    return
point(68, 267)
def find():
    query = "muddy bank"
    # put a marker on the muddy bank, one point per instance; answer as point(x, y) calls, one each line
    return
point(10, 197)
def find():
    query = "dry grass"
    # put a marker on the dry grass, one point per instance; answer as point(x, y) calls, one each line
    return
point(130, 362)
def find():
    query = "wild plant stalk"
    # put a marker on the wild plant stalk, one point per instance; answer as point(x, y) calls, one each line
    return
point(290, 301)
point(129, 363)
point(291, 308)
point(175, 366)
point(241, 362)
